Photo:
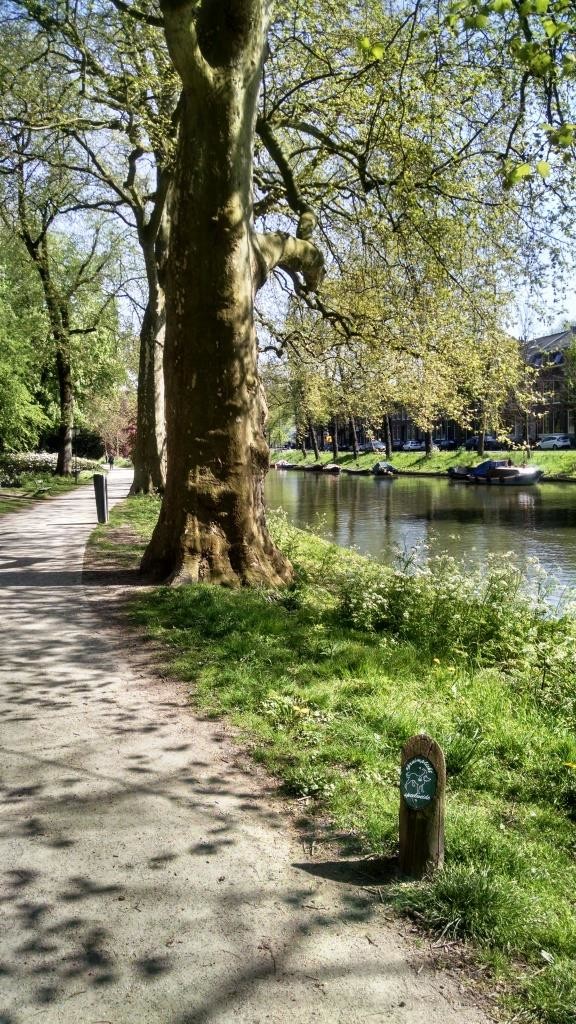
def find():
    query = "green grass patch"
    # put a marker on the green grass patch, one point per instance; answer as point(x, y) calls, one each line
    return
point(12, 499)
point(560, 464)
point(327, 678)
point(36, 487)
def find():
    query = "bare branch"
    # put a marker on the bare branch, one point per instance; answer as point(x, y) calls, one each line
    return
point(133, 12)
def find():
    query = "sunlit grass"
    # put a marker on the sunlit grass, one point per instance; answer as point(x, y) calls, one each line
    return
point(327, 707)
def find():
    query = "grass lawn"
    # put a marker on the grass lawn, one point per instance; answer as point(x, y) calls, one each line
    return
point(327, 678)
point(557, 464)
point(36, 488)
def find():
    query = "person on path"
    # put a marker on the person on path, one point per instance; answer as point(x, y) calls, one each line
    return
point(111, 461)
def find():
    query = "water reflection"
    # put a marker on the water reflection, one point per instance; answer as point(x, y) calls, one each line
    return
point(380, 516)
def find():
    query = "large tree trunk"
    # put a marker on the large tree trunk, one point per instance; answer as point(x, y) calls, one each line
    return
point(212, 524)
point(150, 448)
point(66, 401)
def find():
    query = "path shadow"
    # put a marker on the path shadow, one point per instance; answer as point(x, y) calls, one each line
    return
point(373, 871)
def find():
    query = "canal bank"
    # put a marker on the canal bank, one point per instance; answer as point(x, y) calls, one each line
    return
point(425, 517)
point(558, 466)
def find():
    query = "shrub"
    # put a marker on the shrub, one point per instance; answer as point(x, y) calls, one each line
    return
point(15, 468)
point(481, 615)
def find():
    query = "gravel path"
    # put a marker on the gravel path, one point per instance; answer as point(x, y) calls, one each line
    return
point(146, 875)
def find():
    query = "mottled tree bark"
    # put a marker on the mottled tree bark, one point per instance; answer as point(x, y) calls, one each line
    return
point(212, 524)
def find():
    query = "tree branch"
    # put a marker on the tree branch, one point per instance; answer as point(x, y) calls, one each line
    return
point(133, 12)
point(295, 255)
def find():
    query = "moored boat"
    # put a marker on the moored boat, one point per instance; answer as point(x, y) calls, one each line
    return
point(476, 474)
point(459, 472)
point(515, 476)
point(497, 471)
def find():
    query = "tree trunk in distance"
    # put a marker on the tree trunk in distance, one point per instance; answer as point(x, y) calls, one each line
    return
point(150, 449)
point(314, 441)
point(387, 436)
point(335, 438)
point(428, 442)
point(354, 437)
point(66, 400)
point(212, 525)
point(482, 437)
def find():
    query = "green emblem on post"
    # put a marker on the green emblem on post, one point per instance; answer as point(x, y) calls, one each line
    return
point(418, 782)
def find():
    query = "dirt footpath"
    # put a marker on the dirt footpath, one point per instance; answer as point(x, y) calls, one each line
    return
point(146, 876)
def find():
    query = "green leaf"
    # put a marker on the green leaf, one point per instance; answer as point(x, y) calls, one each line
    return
point(565, 137)
point(522, 171)
point(543, 168)
point(540, 63)
point(378, 51)
point(541, 6)
point(517, 174)
point(549, 27)
point(365, 43)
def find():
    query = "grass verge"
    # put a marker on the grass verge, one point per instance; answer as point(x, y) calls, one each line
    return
point(36, 488)
point(326, 680)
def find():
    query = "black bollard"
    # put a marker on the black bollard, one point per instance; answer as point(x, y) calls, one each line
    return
point(101, 492)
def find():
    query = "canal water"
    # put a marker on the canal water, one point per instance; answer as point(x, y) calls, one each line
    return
point(382, 517)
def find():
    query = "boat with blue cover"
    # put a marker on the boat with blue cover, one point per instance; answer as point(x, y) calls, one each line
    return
point(497, 471)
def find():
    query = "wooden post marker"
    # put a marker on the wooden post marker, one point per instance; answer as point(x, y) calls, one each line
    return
point(422, 788)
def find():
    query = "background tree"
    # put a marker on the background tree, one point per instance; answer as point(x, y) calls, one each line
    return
point(22, 333)
point(126, 94)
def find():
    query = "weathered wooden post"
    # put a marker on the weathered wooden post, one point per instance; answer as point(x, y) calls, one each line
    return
point(422, 788)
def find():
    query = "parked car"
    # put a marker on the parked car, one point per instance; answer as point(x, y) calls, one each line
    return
point(554, 441)
point(372, 446)
point(491, 444)
point(414, 446)
point(445, 444)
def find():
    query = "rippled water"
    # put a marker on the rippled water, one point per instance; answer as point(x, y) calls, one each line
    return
point(380, 516)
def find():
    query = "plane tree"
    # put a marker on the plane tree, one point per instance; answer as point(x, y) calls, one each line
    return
point(212, 524)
